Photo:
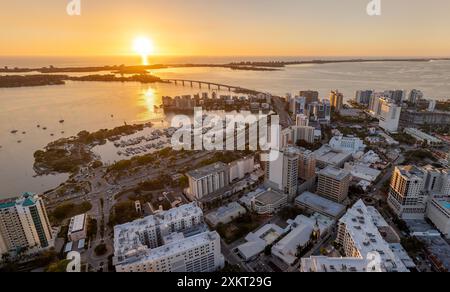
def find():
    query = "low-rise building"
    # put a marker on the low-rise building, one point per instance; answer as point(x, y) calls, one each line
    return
point(264, 202)
point(316, 203)
point(225, 214)
point(302, 229)
point(77, 228)
point(347, 144)
point(423, 137)
point(326, 156)
point(257, 241)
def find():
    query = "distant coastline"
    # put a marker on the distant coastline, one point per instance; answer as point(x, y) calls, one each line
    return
point(245, 65)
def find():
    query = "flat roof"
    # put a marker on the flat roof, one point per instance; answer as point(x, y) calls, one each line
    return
point(269, 197)
point(319, 203)
point(77, 223)
point(207, 170)
point(334, 172)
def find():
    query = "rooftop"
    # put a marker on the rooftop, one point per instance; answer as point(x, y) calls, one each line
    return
point(363, 228)
point(171, 249)
point(207, 170)
point(269, 197)
point(320, 204)
point(335, 173)
point(77, 223)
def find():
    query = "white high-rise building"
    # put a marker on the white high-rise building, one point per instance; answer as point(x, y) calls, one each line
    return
point(303, 133)
point(171, 241)
point(282, 173)
point(24, 224)
point(364, 247)
point(301, 120)
point(241, 167)
point(389, 116)
point(207, 180)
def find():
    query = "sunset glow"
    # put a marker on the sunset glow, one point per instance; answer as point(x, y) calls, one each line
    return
point(144, 47)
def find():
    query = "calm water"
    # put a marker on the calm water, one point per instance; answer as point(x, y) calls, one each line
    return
point(89, 106)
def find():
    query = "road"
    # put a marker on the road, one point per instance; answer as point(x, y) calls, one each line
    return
point(280, 108)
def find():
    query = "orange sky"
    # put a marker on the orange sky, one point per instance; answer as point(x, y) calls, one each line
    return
point(226, 27)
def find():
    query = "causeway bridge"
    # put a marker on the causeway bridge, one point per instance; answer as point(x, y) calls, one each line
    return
point(219, 86)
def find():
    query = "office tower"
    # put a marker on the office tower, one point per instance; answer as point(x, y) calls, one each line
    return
point(306, 164)
point(437, 181)
point(389, 116)
point(396, 96)
point(24, 224)
point(310, 95)
point(301, 120)
point(171, 241)
point(375, 103)
point(406, 192)
point(431, 105)
point(297, 105)
point(363, 96)
point(360, 235)
point(207, 180)
point(336, 100)
point(286, 138)
point(415, 95)
point(333, 183)
point(282, 173)
point(320, 111)
point(303, 133)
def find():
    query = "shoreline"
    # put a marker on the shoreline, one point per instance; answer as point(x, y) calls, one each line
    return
point(246, 65)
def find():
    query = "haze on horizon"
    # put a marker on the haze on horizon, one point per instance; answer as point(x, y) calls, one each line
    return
point(227, 28)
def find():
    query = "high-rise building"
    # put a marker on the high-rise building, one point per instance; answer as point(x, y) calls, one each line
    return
point(406, 192)
point(319, 111)
point(298, 105)
point(24, 224)
point(375, 104)
point(360, 235)
point(395, 95)
point(389, 116)
point(282, 173)
point(415, 95)
point(171, 241)
point(363, 96)
point(303, 133)
point(208, 179)
point(310, 95)
point(336, 100)
point(301, 120)
point(306, 164)
point(412, 187)
point(333, 183)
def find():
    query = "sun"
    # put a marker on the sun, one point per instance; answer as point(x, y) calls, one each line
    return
point(144, 47)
